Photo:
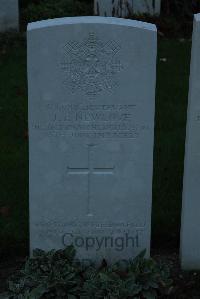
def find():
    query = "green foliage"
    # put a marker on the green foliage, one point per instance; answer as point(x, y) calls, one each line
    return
point(180, 8)
point(49, 9)
point(57, 274)
point(143, 278)
point(47, 275)
point(13, 145)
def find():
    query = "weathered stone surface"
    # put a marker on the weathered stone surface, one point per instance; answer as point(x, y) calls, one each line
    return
point(190, 232)
point(9, 15)
point(124, 8)
point(91, 126)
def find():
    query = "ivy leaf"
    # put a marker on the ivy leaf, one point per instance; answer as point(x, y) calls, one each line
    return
point(37, 292)
point(70, 252)
point(141, 255)
point(149, 294)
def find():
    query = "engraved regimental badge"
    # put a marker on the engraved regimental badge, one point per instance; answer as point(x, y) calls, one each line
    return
point(91, 66)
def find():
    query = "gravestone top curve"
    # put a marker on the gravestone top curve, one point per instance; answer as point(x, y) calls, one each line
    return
point(90, 19)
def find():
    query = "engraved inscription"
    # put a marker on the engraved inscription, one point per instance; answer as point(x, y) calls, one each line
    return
point(90, 171)
point(67, 232)
point(88, 224)
point(91, 66)
point(116, 121)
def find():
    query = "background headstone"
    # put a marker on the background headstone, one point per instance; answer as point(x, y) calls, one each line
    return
point(9, 15)
point(123, 8)
point(91, 126)
point(190, 233)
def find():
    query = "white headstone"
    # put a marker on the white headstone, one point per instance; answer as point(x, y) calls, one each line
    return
point(124, 8)
point(91, 126)
point(9, 15)
point(190, 232)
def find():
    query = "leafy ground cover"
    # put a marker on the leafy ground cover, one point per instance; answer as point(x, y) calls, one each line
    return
point(58, 274)
point(46, 275)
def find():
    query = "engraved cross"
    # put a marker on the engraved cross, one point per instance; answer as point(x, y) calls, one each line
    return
point(89, 171)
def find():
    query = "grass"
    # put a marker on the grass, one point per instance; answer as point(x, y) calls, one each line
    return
point(13, 144)
point(171, 105)
point(171, 111)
